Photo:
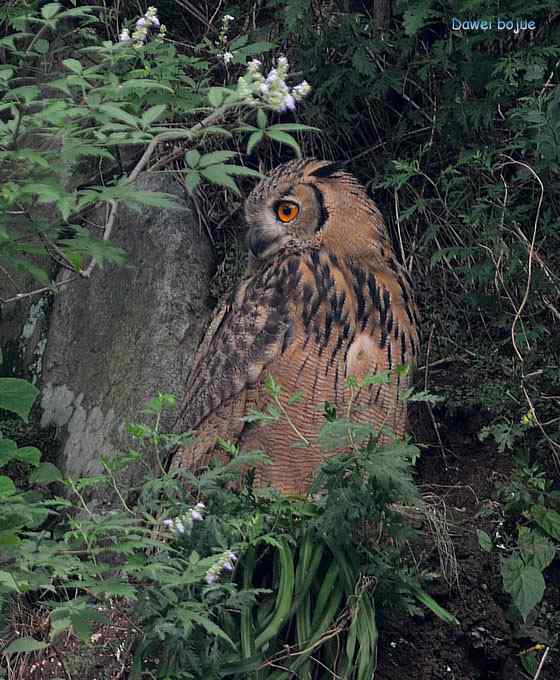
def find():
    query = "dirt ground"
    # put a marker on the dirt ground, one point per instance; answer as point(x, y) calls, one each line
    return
point(486, 645)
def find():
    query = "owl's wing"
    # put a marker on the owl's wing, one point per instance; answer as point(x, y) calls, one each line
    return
point(244, 337)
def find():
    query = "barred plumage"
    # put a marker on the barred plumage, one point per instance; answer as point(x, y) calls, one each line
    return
point(324, 298)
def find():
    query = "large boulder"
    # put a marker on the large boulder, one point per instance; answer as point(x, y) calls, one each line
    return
point(129, 332)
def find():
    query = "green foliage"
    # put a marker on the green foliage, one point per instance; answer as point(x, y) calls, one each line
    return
point(230, 586)
point(95, 102)
point(531, 503)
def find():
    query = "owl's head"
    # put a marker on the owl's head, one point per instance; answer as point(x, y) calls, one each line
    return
point(310, 201)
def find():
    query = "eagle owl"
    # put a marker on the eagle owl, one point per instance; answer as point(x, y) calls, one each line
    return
point(324, 298)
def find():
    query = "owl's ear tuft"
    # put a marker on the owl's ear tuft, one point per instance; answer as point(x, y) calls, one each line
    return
point(327, 171)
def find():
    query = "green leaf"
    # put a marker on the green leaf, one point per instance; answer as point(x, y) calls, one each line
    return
point(33, 157)
point(45, 473)
point(536, 549)
point(29, 454)
point(241, 170)
point(8, 450)
point(192, 180)
point(81, 626)
point(484, 541)
point(215, 96)
point(284, 138)
point(25, 644)
point(294, 127)
point(137, 84)
point(118, 114)
point(525, 584)
point(152, 114)
point(156, 199)
point(59, 625)
point(215, 157)
point(238, 42)
point(218, 175)
point(192, 157)
point(74, 65)
point(548, 520)
point(296, 397)
point(7, 487)
point(6, 73)
point(214, 130)
point(262, 119)
point(8, 582)
point(380, 378)
point(254, 139)
point(414, 18)
point(50, 10)
point(85, 11)
point(9, 539)
point(17, 396)
point(114, 588)
point(29, 93)
point(41, 46)
point(210, 627)
point(433, 606)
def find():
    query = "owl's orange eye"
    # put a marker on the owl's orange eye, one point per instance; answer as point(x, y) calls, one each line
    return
point(287, 212)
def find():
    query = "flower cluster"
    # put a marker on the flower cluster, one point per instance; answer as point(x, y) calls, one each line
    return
point(183, 524)
point(226, 561)
point(272, 90)
point(143, 26)
point(222, 41)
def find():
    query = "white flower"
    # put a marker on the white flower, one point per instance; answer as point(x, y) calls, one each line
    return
point(282, 67)
point(124, 36)
point(228, 17)
point(169, 523)
point(289, 103)
point(211, 578)
point(232, 556)
point(254, 65)
point(196, 515)
point(302, 90)
point(243, 88)
point(140, 35)
point(227, 57)
point(272, 76)
point(154, 21)
point(200, 506)
point(141, 22)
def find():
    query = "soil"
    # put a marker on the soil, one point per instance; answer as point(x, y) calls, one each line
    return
point(489, 642)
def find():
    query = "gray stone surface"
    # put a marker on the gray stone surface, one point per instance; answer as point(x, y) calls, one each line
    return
point(130, 331)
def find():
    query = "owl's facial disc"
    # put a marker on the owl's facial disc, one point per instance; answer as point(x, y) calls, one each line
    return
point(274, 228)
point(292, 212)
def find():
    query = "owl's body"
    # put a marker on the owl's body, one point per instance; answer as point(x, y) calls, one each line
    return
point(324, 299)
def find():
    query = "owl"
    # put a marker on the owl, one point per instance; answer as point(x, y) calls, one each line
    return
point(324, 298)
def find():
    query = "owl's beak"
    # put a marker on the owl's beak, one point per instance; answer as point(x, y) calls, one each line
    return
point(258, 242)
point(263, 241)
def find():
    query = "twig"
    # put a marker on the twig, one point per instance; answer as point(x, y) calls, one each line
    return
point(539, 669)
point(434, 423)
point(531, 249)
point(55, 284)
point(445, 360)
